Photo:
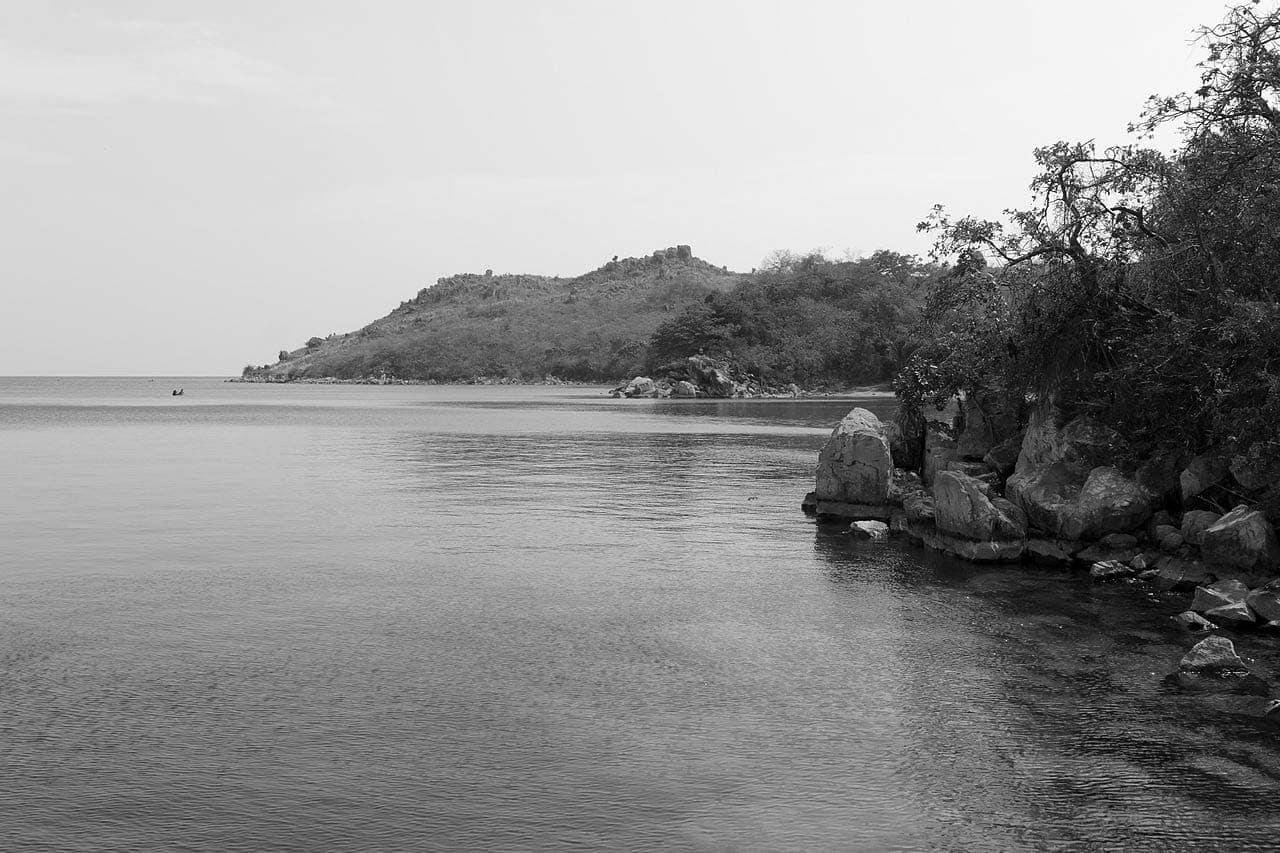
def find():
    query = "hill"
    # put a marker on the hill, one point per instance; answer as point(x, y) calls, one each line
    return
point(593, 327)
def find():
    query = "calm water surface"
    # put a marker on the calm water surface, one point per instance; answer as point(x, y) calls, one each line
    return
point(355, 618)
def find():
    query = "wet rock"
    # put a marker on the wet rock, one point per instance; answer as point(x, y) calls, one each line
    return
point(1195, 522)
point(1052, 551)
point(1219, 594)
point(1193, 622)
point(1265, 602)
point(1099, 553)
point(1006, 551)
point(809, 505)
point(873, 530)
point(1213, 656)
point(1234, 615)
point(962, 507)
point(1242, 539)
point(898, 522)
point(854, 465)
point(1109, 570)
point(1179, 574)
point(1142, 562)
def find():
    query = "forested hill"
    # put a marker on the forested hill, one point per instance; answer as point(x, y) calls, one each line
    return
point(805, 319)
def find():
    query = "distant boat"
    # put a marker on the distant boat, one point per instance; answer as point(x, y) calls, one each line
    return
point(177, 392)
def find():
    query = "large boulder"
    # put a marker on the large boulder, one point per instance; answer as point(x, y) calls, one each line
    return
point(963, 506)
point(1241, 540)
point(684, 388)
point(1057, 502)
point(855, 464)
point(1109, 502)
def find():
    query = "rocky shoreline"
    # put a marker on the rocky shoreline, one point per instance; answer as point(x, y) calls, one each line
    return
point(700, 376)
point(976, 484)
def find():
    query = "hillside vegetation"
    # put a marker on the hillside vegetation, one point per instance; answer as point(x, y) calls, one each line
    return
point(804, 319)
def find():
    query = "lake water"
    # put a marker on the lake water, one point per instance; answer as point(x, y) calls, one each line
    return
point(263, 617)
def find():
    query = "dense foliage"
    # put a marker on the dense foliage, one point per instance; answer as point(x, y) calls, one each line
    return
point(807, 320)
point(1137, 286)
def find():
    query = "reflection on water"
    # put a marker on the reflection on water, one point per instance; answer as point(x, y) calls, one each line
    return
point(421, 618)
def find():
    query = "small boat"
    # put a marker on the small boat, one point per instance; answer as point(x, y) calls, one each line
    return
point(177, 392)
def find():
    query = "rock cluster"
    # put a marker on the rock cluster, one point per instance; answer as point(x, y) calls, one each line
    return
point(987, 489)
point(700, 376)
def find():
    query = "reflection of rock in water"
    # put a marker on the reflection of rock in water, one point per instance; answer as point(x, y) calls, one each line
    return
point(1077, 725)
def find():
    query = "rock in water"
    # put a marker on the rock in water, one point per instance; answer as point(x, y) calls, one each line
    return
point(1241, 539)
point(1265, 602)
point(684, 388)
point(873, 530)
point(1219, 594)
point(854, 465)
point(1193, 622)
point(1234, 615)
point(1213, 656)
point(1110, 570)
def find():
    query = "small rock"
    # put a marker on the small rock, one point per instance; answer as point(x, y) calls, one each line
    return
point(1171, 542)
point(1213, 655)
point(873, 530)
point(1109, 570)
point(1193, 622)
point(1141, 563)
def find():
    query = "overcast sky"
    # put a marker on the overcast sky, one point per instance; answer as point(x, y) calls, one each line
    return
point(191, 186)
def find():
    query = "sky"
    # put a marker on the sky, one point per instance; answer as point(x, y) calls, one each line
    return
point(190, 186)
